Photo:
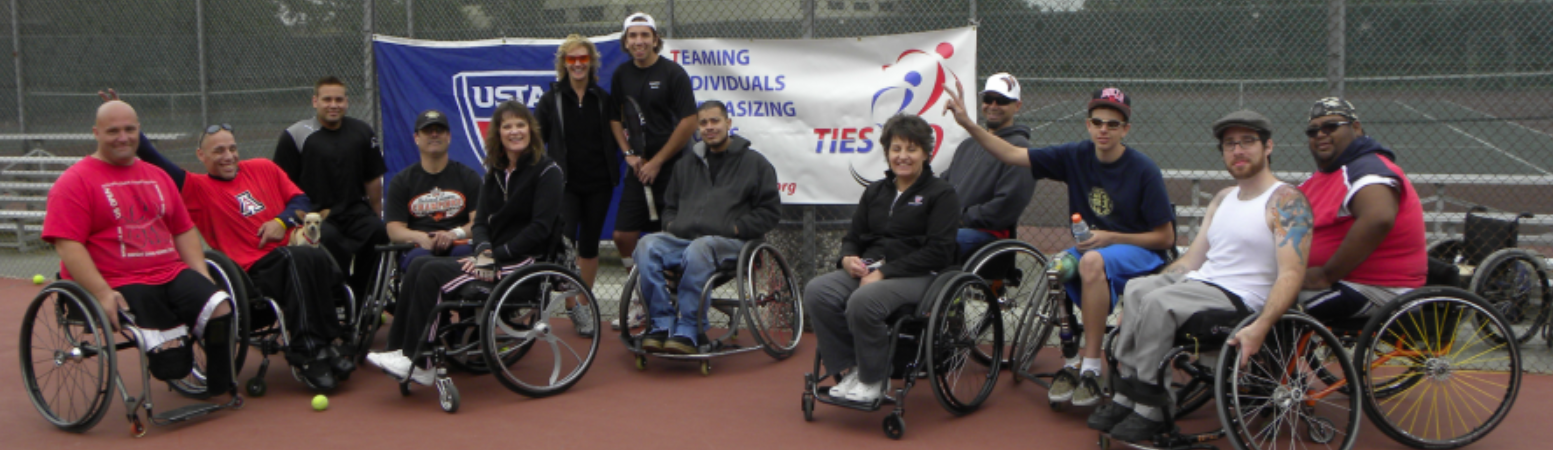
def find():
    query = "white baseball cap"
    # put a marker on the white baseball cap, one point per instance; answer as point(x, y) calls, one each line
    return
point(1003, 84)
point(640, 19)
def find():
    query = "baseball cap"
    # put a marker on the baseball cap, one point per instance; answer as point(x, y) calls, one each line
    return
point(431, 117)
point(1334, 106)
point(1113, 98)
point(640, 19)
point(1003, 84)
point(1243, 118)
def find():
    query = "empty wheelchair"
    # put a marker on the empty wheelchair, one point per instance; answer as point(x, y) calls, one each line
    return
point(69, 362)
point(1514, 280)
point(938, 338)
point(765, 300)
point(1016, 272)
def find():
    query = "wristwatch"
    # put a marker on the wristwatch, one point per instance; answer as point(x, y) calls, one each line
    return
point(630, 152)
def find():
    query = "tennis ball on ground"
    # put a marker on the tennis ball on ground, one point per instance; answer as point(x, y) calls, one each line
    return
point(37, 279)
point(385, 316)
point(320, 402)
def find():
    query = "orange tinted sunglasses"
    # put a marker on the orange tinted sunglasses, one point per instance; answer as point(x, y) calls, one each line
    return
point(584, 59)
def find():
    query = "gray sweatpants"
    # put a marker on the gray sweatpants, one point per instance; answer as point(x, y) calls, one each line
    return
point(849, 321)
point(1153, 308)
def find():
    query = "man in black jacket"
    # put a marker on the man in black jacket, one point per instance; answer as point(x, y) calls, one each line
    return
point(992, 194)
point(724, 194)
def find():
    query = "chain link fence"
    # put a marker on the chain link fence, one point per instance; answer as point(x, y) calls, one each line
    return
point(1460, 90)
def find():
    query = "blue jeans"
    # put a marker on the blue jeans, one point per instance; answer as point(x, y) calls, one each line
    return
point(971, 239)
point(698, 259)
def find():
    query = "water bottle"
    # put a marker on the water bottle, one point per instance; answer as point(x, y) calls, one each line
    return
point(1080, 229)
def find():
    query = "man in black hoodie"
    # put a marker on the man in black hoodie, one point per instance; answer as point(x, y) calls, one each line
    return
point(723, 195)
point(992, 194)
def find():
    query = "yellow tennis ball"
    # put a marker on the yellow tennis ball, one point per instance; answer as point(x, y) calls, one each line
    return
point(320, 402)
point(385, 316)
point(37, 279)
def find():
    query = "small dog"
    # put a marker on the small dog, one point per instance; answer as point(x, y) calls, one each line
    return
point(309, 233)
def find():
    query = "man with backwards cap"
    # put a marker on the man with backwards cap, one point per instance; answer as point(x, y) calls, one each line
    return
point(431, 204)
point(992, 194)
point(1249, 257)
point(1120, 193)
point(1369, 242)
point(662, 89)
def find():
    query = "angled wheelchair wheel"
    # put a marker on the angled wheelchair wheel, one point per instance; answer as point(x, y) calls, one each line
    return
point(1016, 272)
point(229, 277)
point(68, 357)
point(1515, 283)
point(1037, 320)
point(1277, 400)
point(526, 316)
point(1435, 374)
point(965, 319)
point(631, 292)
point(1448, 250)
point(768, 287)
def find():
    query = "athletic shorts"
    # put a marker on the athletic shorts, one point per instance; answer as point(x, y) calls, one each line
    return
point(1123, 262)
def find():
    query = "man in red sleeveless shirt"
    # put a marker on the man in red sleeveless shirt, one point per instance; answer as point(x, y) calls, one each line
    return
point(1369, 244)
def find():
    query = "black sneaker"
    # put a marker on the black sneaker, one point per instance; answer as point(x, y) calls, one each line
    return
point(681, 345)
point(341, 364)
point(1107, 416)
point(318, 374)
point(1136, 428)
point(653, 342)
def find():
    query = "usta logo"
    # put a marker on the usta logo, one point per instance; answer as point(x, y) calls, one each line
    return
point(478, 93)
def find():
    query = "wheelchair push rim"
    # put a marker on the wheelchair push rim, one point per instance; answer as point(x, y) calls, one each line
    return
point(1277, 399)
point(769, 289)
point(68, 358)
point(965, 319)
point(526, 313)
point(1515, 284)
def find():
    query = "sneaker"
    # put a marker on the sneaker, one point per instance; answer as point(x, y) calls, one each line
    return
point(653, 342)
point(637, 317)
point(340, 364)
point(1107, 416)
point(316, 373)
point(423, 377)
point(847, 383)
point(1088, 391)
point(1136, 428)
point(681, 345)
point(865, 392)
point(1063, 385)
point(582, 318)
point(393, 363)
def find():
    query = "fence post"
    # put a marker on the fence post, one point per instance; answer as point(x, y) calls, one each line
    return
point(669, 30)
point(371, 95)
point(16, 59)
point(808, 19)
point(1335, 46)
point(199, 36)
point(409, 18)
point(807, 267)
point(973, 12)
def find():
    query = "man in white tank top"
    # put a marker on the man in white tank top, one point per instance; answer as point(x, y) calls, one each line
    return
point(1249, 256)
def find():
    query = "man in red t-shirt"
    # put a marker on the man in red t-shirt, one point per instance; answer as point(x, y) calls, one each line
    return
point(244, 208)
point(123, 235)
point(1368, 243)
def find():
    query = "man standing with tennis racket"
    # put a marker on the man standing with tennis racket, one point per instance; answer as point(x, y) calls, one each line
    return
point(658, 112)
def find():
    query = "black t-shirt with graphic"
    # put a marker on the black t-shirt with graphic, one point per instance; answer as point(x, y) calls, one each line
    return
point(432, 202)
point(662, 90)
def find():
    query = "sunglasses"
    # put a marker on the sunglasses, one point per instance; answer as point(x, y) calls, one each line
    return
point(1102, 123)
point(996, 100)
point(217, 127)
point(1325, 128)
point(584, 59)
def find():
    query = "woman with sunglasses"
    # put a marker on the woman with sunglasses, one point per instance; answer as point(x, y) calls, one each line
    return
point(1120, 193)
point(575, 113)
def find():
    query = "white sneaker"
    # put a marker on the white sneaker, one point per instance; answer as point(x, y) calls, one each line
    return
point(394, 363)
point(637, 317)
point(423, 377)
point(847, 383)
point(866, 392)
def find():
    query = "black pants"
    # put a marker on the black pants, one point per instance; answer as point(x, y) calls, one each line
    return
point(584, 214)
point(308, 287)
point(349, 235)
point(181, 304)
point(433, 280)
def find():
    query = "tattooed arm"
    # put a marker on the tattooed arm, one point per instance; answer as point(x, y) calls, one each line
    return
point(1374, 210)
point(1289, 217)
point(1197, 254)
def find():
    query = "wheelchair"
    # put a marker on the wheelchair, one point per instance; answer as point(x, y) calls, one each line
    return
point(69, 361)
point(934, 339)
point(490, 329)
point(766, 301)
point(1514, 280)
point(1016, 272)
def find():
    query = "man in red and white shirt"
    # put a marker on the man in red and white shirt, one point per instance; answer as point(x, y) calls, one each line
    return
point(1369, 244)
point(122, 233)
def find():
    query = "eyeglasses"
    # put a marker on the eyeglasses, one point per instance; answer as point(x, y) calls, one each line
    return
point(1243, 143)
point(1325, 128)
point(996, 99)
point(583, 59)
point(1102, 123)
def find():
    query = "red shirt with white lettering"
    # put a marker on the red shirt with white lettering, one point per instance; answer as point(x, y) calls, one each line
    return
point(126, 216)
point(229, 213)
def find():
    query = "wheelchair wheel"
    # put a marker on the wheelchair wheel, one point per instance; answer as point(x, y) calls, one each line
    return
point(965, 319)
point(1017, 274)
point(1433, 371)
point(1514, 282)
point(68, 357)
point(1036, 322)
point(1448, 250)
point(229, 277)
point(526, 315)
point(768, 287)
point(1277, 399)
point(631, 292)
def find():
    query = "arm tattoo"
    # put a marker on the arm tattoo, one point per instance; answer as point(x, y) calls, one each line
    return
point(1294, 218)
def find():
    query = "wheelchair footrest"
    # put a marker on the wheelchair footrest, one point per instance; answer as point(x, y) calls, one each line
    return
point(875, 405)
point(187, 412)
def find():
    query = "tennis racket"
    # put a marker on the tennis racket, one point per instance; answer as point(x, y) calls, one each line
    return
point(635, 125)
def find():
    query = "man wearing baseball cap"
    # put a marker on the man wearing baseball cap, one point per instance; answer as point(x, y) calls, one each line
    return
point(992, 194)
point(1369, 242)
point(1233, 267)
point(1120, 193)
point(431, 204)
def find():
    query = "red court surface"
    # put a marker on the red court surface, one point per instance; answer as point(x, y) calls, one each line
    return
point(750, 401)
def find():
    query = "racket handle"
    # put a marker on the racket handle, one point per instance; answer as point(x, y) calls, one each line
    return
point(652, 208)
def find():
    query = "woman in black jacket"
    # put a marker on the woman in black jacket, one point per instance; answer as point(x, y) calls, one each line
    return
point(520, 202)
point(902, 234)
